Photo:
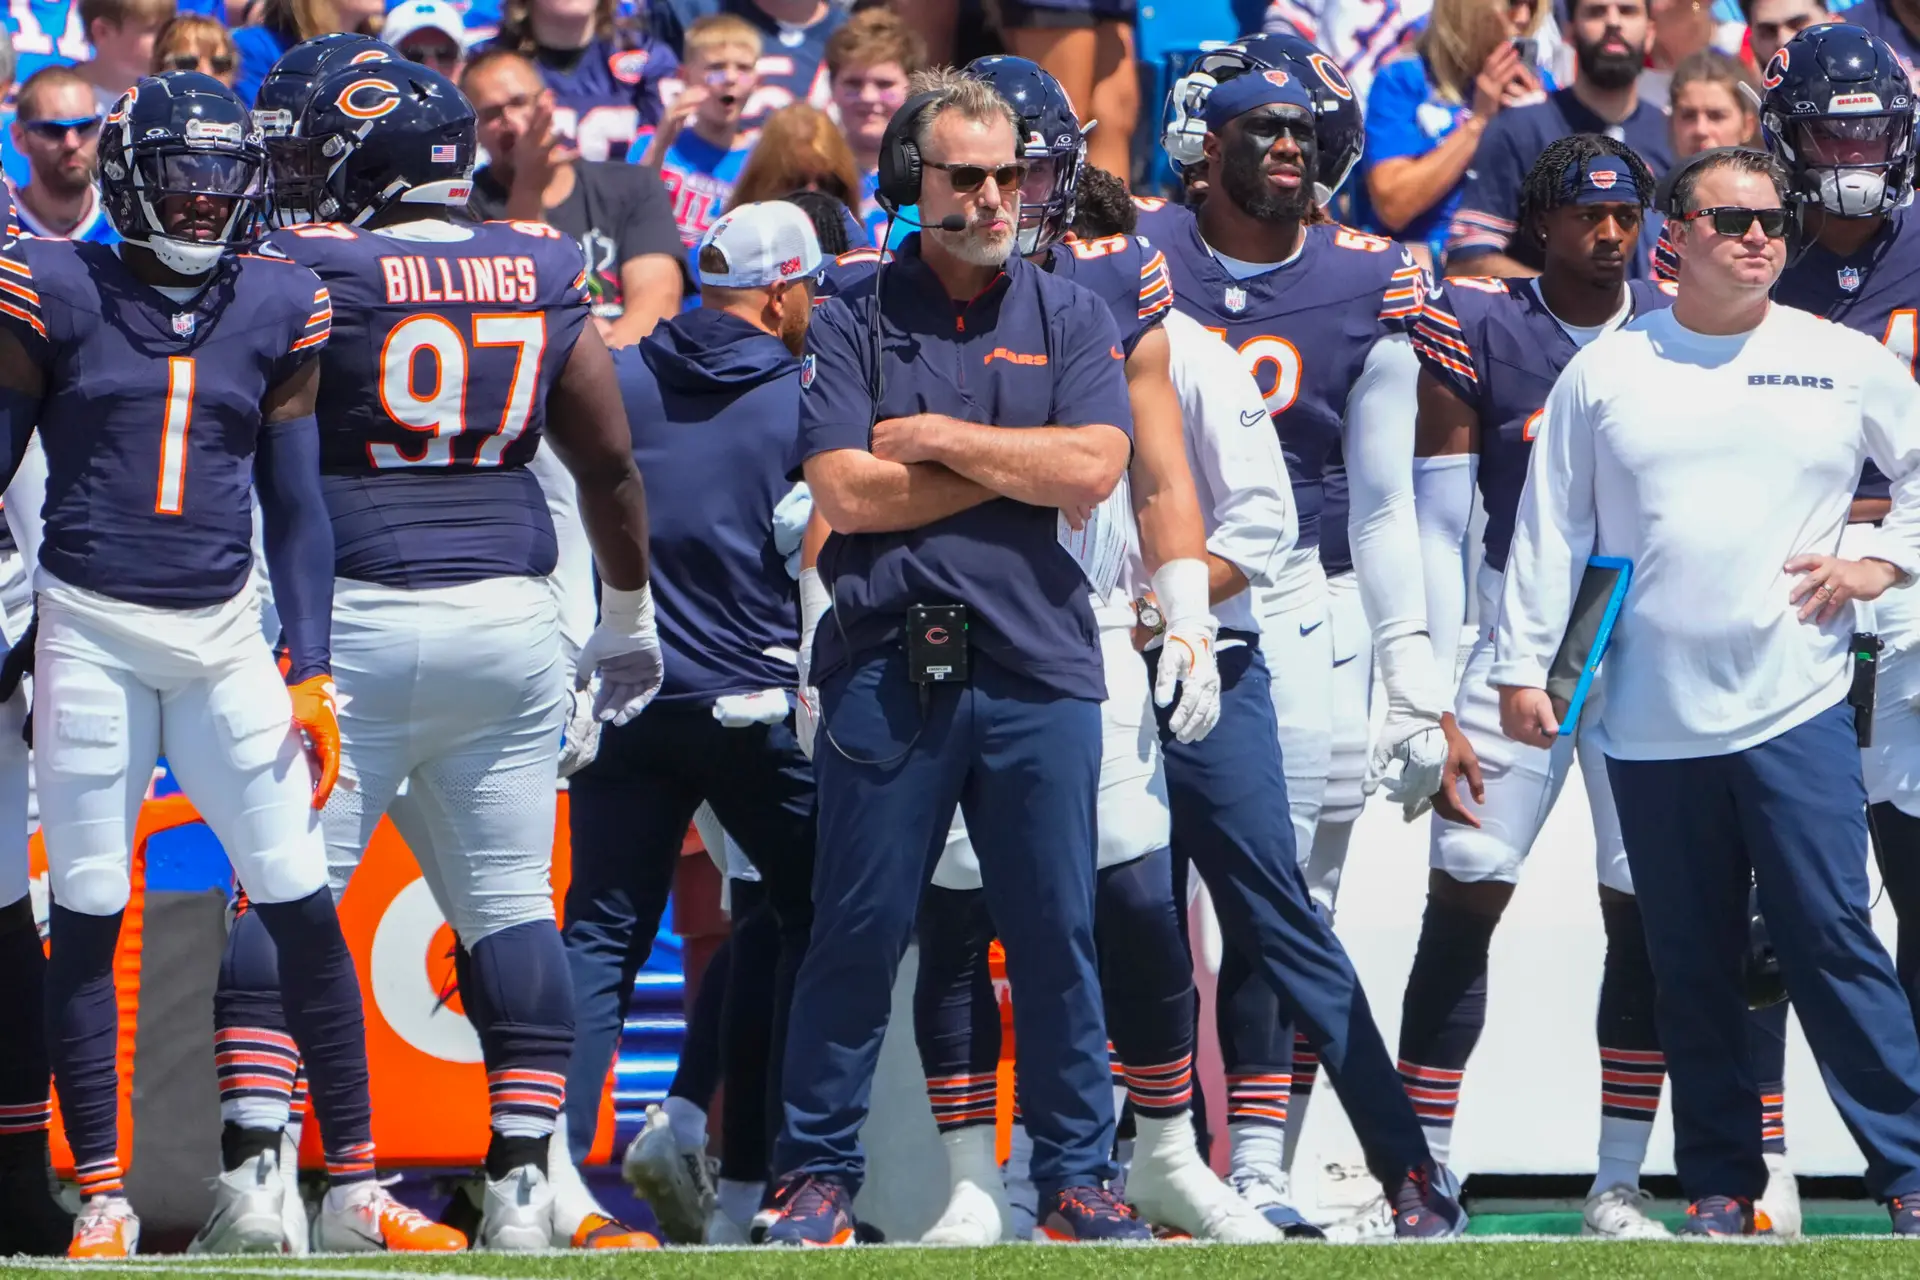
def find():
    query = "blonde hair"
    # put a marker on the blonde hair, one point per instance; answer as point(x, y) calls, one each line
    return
point(516, 25)
point(193, 33)
point(1460, 36)
point(797, 144)
point(873, 37)
point(717, 31)
point(298, 20)
point(971, 99)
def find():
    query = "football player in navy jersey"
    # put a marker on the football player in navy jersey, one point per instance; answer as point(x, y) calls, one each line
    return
point(447, 632)
point(1489, 351)
point(1838, 114)
point(1320, 313)
point(149, 630)
point(283, 95)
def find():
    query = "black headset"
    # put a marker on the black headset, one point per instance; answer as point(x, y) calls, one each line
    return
point(898, 182)
point(1666, 191)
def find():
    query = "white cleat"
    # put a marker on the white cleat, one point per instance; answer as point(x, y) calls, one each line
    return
point(1620, 1213)
point(105, 1228)
point(248, 1210)
point(1268, 1192)
point(363, 1218)
point(976, 1212)
point(677, 1183)
point(296, 1231)
point(723, 1230)
point(1373, 1221)
point(517, 1214)
point(1188, 1196)
point(1170, 1187)
point(1781, 1200)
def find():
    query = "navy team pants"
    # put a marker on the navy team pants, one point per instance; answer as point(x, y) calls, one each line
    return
point(1228, 792)
point(629, 811)
point(1023, 763)
point(1793, 809)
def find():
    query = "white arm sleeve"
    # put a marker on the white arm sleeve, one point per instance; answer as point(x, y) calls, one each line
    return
point(1890, 408)
point(1378, 435)
point(572, 577)
point(1234, 453)
point(1553, 533)
point(1443, 507)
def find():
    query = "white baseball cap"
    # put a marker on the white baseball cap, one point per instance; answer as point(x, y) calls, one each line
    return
point(414, 16)
point(767, 243)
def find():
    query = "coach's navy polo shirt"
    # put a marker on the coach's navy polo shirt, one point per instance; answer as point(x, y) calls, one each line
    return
point(1034, 349)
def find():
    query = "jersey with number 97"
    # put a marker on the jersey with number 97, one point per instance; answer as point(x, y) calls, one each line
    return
point(151, 412)
point(1875, 291)
point(433, 395)
point(1304, 328)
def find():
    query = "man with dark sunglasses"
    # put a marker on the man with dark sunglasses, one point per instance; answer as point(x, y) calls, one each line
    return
point(1716, 446)
point(962, 414)
point(58, 130)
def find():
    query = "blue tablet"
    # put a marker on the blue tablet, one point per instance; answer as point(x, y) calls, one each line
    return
point(1596, 607)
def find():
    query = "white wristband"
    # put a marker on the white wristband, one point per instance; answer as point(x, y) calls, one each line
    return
point(1180, 587)
point(628, 612)
point(814, 603)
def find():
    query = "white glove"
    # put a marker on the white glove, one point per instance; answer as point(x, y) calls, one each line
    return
point(1410, 754)
point(738, 710)
point(814, 603)
point(580, 737)
point(624, 651)
point(790, 516)
point(1186, 651)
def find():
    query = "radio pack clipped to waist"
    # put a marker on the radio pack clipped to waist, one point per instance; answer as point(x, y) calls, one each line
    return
point(937, 644)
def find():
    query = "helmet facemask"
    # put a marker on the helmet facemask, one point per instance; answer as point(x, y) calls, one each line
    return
point(1047, 197)
point(1854, 165)
point(176, 179)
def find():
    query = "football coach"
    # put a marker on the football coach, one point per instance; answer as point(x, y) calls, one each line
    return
point(958, 661)
point(1716, 446)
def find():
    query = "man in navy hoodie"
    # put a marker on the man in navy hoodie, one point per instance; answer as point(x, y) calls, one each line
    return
point(713, 399)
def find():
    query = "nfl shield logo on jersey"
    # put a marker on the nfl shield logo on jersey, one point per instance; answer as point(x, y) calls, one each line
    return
point(183, 323)
point(1236, 298)
point(1850, 279)
point(806, 373)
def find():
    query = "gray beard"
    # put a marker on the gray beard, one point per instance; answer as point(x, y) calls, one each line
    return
point(975, 249)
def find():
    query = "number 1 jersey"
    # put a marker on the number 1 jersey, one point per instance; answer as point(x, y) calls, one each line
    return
point(433, 393)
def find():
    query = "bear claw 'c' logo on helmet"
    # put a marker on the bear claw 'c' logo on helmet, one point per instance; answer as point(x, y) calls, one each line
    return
point(368, 99)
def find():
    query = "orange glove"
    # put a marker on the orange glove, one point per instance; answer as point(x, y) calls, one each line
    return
point(315, 716)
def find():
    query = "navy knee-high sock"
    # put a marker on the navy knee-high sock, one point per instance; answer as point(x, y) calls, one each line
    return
point(254, 1055)
point(82, 1029)
point(746, 1039)
point(956, 1020)
point(320, 995)
point(1767, 1039)
point(698, 1075)
point(521, 974)
point(1146, 978)
point(1443, 1014)
point(26, 1076)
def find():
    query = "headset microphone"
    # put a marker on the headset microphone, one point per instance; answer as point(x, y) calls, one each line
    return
point(953, 222)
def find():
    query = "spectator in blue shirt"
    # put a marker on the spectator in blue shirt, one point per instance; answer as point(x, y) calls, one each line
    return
point(868, 62)
point(285, 23)
point(1427, 111)
point(58, 131)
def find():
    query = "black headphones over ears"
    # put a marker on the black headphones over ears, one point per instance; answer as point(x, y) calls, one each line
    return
point(898, 182)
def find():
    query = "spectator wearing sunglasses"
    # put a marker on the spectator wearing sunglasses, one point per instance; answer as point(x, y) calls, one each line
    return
point(193, 43)
point(429, 32)
point(58, 130)
point(800, 149)
point(122, 32)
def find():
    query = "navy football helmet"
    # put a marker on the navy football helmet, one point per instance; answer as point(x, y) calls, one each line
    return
point(1838, 114)
point(181, 135)
point(1055, 145)
point(376, 134)
point(1339, 128)
point(279, 103)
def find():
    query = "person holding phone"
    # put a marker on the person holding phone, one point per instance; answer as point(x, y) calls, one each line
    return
point(1427, 111)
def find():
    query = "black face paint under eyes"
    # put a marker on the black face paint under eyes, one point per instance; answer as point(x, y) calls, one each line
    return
point(1244, 166)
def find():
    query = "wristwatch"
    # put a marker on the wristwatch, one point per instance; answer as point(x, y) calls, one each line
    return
point(1149, 615)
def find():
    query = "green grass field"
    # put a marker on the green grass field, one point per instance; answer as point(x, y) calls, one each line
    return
point(1476, 1259)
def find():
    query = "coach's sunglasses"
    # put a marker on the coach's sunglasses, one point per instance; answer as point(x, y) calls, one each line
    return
point(56, 130)
point(968, 178)
point(1733, 220)
point(218, 63)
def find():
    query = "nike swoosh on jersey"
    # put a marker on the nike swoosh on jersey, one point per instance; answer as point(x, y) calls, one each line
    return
point(1254, 417)
point(1341, 662)
point(1306, 630)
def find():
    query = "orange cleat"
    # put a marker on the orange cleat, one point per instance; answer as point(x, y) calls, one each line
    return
point(106, 1228)
point(601, 1232)
point(363, 1218)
